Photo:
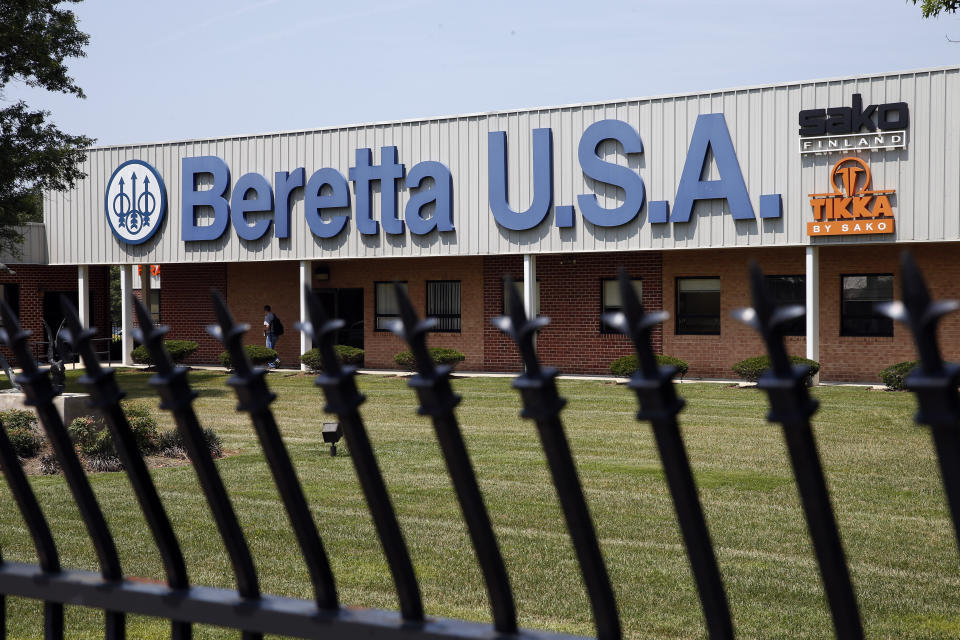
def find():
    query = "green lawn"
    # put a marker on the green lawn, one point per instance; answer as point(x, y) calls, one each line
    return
point(881, 471)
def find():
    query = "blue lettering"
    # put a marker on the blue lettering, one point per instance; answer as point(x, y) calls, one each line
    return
point(387, 173)
point(313, 202)
point(190, 198)
point(609, 173)
point(240, 205)
point(284, 184)
point(711, 133)
point(441, 193)
point(542, 180)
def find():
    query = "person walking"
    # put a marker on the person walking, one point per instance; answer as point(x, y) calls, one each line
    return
point(270, 323)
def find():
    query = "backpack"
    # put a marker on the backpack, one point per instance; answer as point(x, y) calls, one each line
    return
point(277, 326)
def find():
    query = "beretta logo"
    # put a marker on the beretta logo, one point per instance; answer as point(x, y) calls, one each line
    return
point(852, 208)
point(877, 126)
point(135, 201)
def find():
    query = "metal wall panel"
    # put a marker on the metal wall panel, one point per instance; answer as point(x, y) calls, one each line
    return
point(762, 123)
point(33, 250)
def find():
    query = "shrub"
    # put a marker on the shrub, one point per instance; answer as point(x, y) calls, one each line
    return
point(83, 431)
point(439, 355)
point(255, 353)
point(49, 465)
point(171, 444)
point(627, 365)
point(179, 351)
point(347, 355)
point(752, 368)
point(895, 375)
point(143, 425)
point(21, 427)
point(103, 463)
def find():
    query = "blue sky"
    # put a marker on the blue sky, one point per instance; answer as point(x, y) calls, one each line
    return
point(171, 70)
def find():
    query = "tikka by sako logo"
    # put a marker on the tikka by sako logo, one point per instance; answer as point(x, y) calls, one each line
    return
point(852, 208)
point(135, 201)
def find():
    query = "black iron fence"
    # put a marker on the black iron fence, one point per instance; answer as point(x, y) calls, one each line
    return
point(254, 613)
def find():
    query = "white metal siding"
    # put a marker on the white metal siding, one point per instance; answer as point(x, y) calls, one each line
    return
point(762, 123)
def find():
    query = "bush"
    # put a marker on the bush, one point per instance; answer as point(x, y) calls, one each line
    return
point(752, 368)
point(171, 444)
point(179, 351)
point(347, 355)
point(143, 425)
point(895, 375)
point(21, 427)
point(627, 365)
point(103, 463)
point(93, 438)
point(257, 355)
point(439, 355)
point(49, 465)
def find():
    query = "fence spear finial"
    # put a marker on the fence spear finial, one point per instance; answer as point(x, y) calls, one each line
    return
point(523, 330)
point(768, 319)
point(636, 324)
point(414, 330)
point(919, 312)
point(323, 329)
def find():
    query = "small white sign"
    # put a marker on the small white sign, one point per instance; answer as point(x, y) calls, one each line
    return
point(854, 142)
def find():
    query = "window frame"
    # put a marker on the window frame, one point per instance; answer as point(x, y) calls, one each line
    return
point(676, 308)
point(803, 301)
point(604, 309)
point(376, 309)
point(847, 334)
point(458, 315)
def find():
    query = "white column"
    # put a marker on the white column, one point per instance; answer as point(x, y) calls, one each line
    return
point(83, 295)
point(812, 278)
point(126, 306)
point(530, 285)
point(306, 280)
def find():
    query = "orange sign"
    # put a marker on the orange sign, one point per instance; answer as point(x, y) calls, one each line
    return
point(154, 269)
point(852, 208)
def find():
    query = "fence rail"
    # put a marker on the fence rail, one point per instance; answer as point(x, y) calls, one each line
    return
point(253, 613)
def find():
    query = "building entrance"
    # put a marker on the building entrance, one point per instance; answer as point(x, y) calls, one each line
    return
point(346, 304)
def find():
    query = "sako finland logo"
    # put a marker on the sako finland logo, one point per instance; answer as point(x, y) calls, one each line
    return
point(135, 201)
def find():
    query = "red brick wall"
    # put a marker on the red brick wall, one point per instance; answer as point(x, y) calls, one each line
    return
point(570, 294)
point(35, 280)
point(849, 358)
point(381, 346)
point(712, 356)
point(185, 305)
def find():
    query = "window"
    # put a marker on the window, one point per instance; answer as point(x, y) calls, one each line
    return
point(518, 287)
point(443, 303)
point(385, 308)
point(155, 305)
point(790, 290)
point(10, 293)
point(858, 317)
point(698, 306)
point(610, 301)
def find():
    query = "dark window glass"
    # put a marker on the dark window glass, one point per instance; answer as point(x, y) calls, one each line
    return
point(155, 305)
point(443, 303)
point(788, 291)
point(385, 306)
point(698, 306)
point(610, 301)
point(858, 315)
point(10, 293)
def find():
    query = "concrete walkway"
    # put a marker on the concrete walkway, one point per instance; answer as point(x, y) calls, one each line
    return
point(400, 373)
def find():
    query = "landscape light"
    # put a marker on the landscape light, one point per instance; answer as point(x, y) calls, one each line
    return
point(332, 434)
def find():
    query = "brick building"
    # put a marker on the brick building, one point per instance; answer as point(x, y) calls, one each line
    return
point(823, 183)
